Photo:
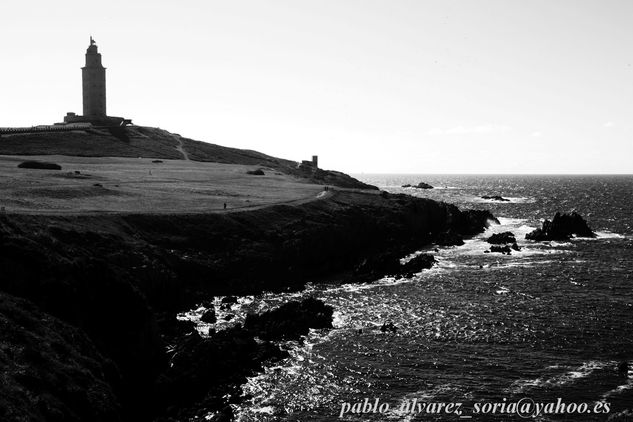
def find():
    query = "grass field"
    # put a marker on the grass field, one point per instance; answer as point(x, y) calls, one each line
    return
point(138, 185)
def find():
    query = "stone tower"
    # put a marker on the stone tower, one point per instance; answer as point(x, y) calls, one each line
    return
point(94, 84)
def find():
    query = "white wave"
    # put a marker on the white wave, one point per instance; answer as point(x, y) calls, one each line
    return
point(503, 290)
point(339, 319)
point(619, 389)
point(608, 235)
point(446, 187)
point(302, 381)
point(385, 281)
point(628, 385)
point(570, 376)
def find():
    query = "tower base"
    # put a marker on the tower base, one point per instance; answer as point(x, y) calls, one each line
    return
point(97, 120)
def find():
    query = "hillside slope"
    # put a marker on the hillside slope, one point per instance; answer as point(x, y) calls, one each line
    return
point(146, 142)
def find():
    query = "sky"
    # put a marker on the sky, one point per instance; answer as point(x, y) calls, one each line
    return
point(370, 86)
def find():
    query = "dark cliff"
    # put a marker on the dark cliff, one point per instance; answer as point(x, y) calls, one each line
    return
point(115, 276)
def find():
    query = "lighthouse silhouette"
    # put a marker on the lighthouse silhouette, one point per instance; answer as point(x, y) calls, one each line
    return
point(93, 79)
point(93, 76)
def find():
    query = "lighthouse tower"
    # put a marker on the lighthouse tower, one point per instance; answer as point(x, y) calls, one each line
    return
point(93, 78)
point(94, 84)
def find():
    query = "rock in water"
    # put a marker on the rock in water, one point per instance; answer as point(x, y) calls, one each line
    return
point(290, 320)
point(496, 198)
point(562, 227)
point(419, 263)
point(209, 316)
point(502, 238)
point(423, 185)
point(449, 238)
point(471, 222)
point(501, 249)
point(503, 242)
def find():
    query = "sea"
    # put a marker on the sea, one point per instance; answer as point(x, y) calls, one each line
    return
point(540, 334)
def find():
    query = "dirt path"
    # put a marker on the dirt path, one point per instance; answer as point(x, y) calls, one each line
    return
point(181, 148)
point(299, 201)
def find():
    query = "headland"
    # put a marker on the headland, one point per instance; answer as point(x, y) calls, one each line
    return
point(133, 229)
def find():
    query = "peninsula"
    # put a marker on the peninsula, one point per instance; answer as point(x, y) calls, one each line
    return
point(108, 230)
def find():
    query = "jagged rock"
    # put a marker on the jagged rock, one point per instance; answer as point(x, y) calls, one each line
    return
point(423, 185)
point(419, 263)
point(291, 320)
point(149, 263)
point(388, 326)
point(495, 198)
point(471, 222)
point(501, 249)
point(209, 316)
point(449, 238)
point(202, 371)
point(502, 238)
point(515, 247)
point(562, 227)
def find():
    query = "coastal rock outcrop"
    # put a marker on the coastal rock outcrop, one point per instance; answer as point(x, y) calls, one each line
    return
point(388, 264)
point(290, 320)
point(417, 264)
point(376, 266)
point(77, 267)
point(449, 238)
point(495, 198)
point(503, 243)
point(420, 185)
point(471, 222)
point(502, 238)
point(204, 371)
point(209, 316)
point(505, 249)
point(562, 227)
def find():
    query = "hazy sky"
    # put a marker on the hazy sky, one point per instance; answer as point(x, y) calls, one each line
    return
point(472, 86)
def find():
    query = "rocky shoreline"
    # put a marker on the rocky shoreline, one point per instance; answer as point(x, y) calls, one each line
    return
point(120, 280)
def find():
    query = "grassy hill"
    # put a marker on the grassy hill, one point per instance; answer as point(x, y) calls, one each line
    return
point(146, 142)
point(148, 170)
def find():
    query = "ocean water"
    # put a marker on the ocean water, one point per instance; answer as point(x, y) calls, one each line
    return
point(551, 321)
